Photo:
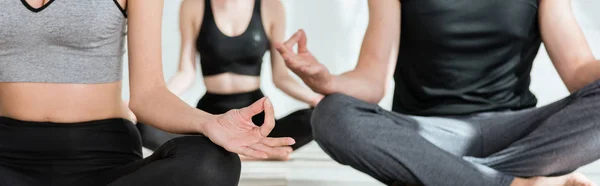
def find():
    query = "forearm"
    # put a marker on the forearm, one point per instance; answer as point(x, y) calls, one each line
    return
point(163, 110)
point(376, 61)
point(585, 74)
point(566, 45)
point(296, 90)
point(358, 85)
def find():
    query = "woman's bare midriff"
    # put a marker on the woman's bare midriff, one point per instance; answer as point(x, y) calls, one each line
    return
point(230, 83)
point(62, 103)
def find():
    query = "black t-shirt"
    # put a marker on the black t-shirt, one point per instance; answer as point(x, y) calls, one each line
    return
point(466, 56)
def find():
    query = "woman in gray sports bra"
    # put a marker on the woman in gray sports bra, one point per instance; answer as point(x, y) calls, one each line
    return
point(62, 119)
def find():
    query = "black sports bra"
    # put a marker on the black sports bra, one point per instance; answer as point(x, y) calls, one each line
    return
point(241, 54)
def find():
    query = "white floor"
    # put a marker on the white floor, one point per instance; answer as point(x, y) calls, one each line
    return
point(311, 166)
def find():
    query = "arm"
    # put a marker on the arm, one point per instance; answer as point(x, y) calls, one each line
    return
point(186, 74)
point(378, 54)
point(155, 105)
point(375, 63)
point(566, 45)
point(151, 101)
point(281, 77)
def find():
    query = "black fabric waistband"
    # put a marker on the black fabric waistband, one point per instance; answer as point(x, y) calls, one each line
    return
point(221, 103)
point(237, 96)
point(113, 140)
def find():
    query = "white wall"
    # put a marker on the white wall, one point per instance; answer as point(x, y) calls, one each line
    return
point(335, 29)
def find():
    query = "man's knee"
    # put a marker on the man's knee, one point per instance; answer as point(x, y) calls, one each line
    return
point(337, 122)
point(331, 116)
point(332, 103)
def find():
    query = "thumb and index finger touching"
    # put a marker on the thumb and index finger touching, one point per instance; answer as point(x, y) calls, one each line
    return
point(265, 105)
point(286, 48)
point(256, 108)
point(268, 126)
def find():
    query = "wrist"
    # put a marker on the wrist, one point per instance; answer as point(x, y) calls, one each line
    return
point(202, 126)
point(315, 100)
point(331, 86)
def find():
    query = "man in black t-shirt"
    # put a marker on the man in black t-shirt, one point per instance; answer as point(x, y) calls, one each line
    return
point(462, 112)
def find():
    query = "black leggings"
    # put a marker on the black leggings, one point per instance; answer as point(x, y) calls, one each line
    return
point(295, 125)
point(106, 152)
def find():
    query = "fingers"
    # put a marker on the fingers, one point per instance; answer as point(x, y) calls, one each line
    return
point(298, 38)
point(269, 123)
point(291, 60)
point(287, 149)
point(286, 48)
point(293, 40)
point(302, 40)
point(307, 69)
point(254, 109)
point(278, 142)
point(272, 151)
point(253, 153)
point(296, 63)
point(285, 52)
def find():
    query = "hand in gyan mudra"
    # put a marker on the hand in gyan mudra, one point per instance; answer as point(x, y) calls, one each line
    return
point(314, 74)
point(236, 132)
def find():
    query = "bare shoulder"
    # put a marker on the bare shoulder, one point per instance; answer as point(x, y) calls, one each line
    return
point(272, 6)
point(272, 9)
point(192, 8)
point(192, 3)
point(273, 15)
point(192, 11)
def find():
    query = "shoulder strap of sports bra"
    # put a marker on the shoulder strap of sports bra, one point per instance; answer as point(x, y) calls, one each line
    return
point(208, 13)
point(257, 6)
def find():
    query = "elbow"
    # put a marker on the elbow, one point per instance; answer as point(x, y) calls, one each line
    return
point(374, 94)
point(576, 83)
point(189, 80)
point(571, 84)
point(572, 90)
point(377, 95)
point(378, 89)
point(140, 98)
point(181, 82)
point(280, 81)
point(583, 76)
point(134, 106)
point(188, 75)
point(136, 102)
point(278, 84)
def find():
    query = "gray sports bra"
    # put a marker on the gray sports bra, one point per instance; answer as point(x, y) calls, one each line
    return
point(64, 41)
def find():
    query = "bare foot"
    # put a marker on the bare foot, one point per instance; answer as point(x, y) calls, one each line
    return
point(573, 179)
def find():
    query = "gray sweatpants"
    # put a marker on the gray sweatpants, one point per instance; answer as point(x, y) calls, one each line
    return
point(484, 149)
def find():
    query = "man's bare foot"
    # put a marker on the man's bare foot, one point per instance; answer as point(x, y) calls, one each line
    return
point(573, 179)
point(246, 158)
